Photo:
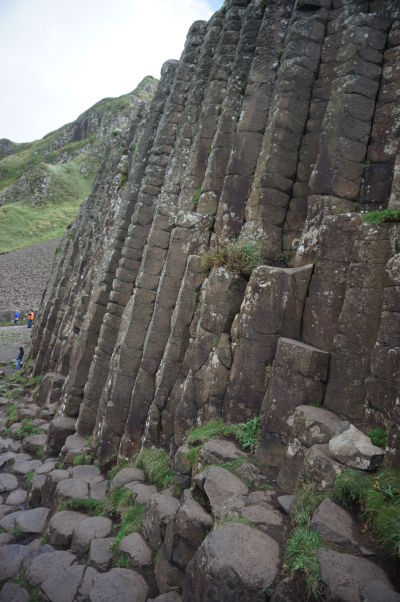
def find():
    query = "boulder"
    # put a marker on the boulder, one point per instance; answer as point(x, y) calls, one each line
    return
point(101, 554)
point(263, 516)
point(344, 575)
point(35, 491)
point(62, 525)
point(224, 490)
point(61, 585)
point(320, 468)
point(182, 464)
point(12, 592)
point(32, 521)
point(125, 476)
point(249, 473)
point(353, 448)
point(25, 466)
point(16, 497)
point(286, 502)
point(123, 585)
point(44, 565)
point(313, 425)
point(52, 479)
point(141, 493)
point(8, 482)
point(11, 557)
point(378, 591)
point(333, 523)
point(217, 451)
point(88, 529)
point(235, 563)
point(60, 428)
point(160, 510)
point(137, 551)
point(35, 443)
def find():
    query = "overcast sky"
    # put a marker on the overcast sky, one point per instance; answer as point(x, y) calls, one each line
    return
point(59, 57)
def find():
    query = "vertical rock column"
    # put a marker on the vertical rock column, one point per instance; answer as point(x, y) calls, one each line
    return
point(272, 307)
point(277, 162)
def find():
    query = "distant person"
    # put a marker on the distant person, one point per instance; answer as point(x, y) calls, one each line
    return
point(31, 317)
point(16, 318)
point(19, 358)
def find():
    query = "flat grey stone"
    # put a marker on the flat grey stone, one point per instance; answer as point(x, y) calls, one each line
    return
point(6, 538)
point(262, 515)
point(141, 493)
point(378, 591)
point(8, 522)
point(46, 467)
point(224, 490)
point(98, 491)
point(137, 550)
point(5, 509)
point(219, 450)
point(32, 521)
point(123, 585)
point(333, 523)
point(12, 592)
point(88, 529)
point(17, 497)
point(8, 482)
point(62, 525)
point(352, 447)
point(62, 585)
point(11, 557)
point(6, 457)
point(87, 474)
point(286, 502)
point(72, 489)
point(27, 466)
point(35, 443)
point(41, 567)
point(125, 476)
point(101, 554)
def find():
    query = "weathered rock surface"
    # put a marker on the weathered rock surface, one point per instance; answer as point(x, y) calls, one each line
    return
point(224, 490)
point(118, 584)
point(333, 523)
point(62, 525)
point(352, 448)
point(234, 562)
point(88, 529)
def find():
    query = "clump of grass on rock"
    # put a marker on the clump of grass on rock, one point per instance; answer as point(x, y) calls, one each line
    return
point(237, 256)
point(154, 462)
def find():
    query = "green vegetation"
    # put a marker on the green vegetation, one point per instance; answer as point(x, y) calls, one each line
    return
point(83, 458)
point(119, 505)
point(34, 592)
point(262, 4)
point(380, 217)
point(28, 477)
point(90, 507)
point(123, 562)
point(303, 543)
point(44, 539)
point(12, 414)
point(238, 519)
point(378, 498)
point(215, 341)
point(243, 87)
point(156, 467)
point(193, 455)
point(27, 429)
point(379, 436)
point(196, 196)
point(247, 434)
point(17, 533)
point(237, 256)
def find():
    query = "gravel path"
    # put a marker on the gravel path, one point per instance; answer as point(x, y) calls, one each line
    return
point(23, 278)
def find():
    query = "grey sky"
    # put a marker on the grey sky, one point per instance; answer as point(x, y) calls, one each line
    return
point(60, 57)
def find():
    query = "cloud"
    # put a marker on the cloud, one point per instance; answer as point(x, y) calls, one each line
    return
point(59, 58)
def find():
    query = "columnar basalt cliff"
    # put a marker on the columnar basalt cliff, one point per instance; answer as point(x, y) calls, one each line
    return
point(279, 126)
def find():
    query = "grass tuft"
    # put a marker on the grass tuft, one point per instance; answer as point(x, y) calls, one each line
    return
point(156, 467)
point(193, 455)
point(12, 414)
point(28, 477)
point(378, 498)
point(26, 429)
point(83, 458)
point(379, 436)
point(119, 505)
point(247, 434)
point(381, 217)
point(90, 507)
point(301, 555)
point(239, 257)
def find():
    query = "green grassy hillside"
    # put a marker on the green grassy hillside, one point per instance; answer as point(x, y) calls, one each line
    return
point(43, 183)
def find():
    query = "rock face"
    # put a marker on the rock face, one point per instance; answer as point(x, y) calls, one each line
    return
point(273, 142)
point(234, 276)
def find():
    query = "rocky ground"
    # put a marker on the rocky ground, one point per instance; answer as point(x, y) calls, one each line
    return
point(23, 278)
point(218, 532)
point(11, 339)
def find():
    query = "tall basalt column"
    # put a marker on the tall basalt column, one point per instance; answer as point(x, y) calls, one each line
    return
point(151, 226)
point(384, 140)
point(258, 91)
point(272, 307)
point(358, 323)
point(277, 162)
point(347, 121)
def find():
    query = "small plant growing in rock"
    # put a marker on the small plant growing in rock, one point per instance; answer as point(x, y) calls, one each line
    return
point(90, 507)
point(12, 414)
point(156, 467)
point(28, 477)
point(123, 562)
point(262, 4)
point(247, 434)
point(119, 504)
point(83, 458)
point(196, 196)
point(26, 429)
point(379, 436)
point(378, 498)
point(237, 256)
point(381, 217)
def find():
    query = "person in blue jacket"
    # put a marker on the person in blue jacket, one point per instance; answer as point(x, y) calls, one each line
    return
point(19, 358)
point(16, 318)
